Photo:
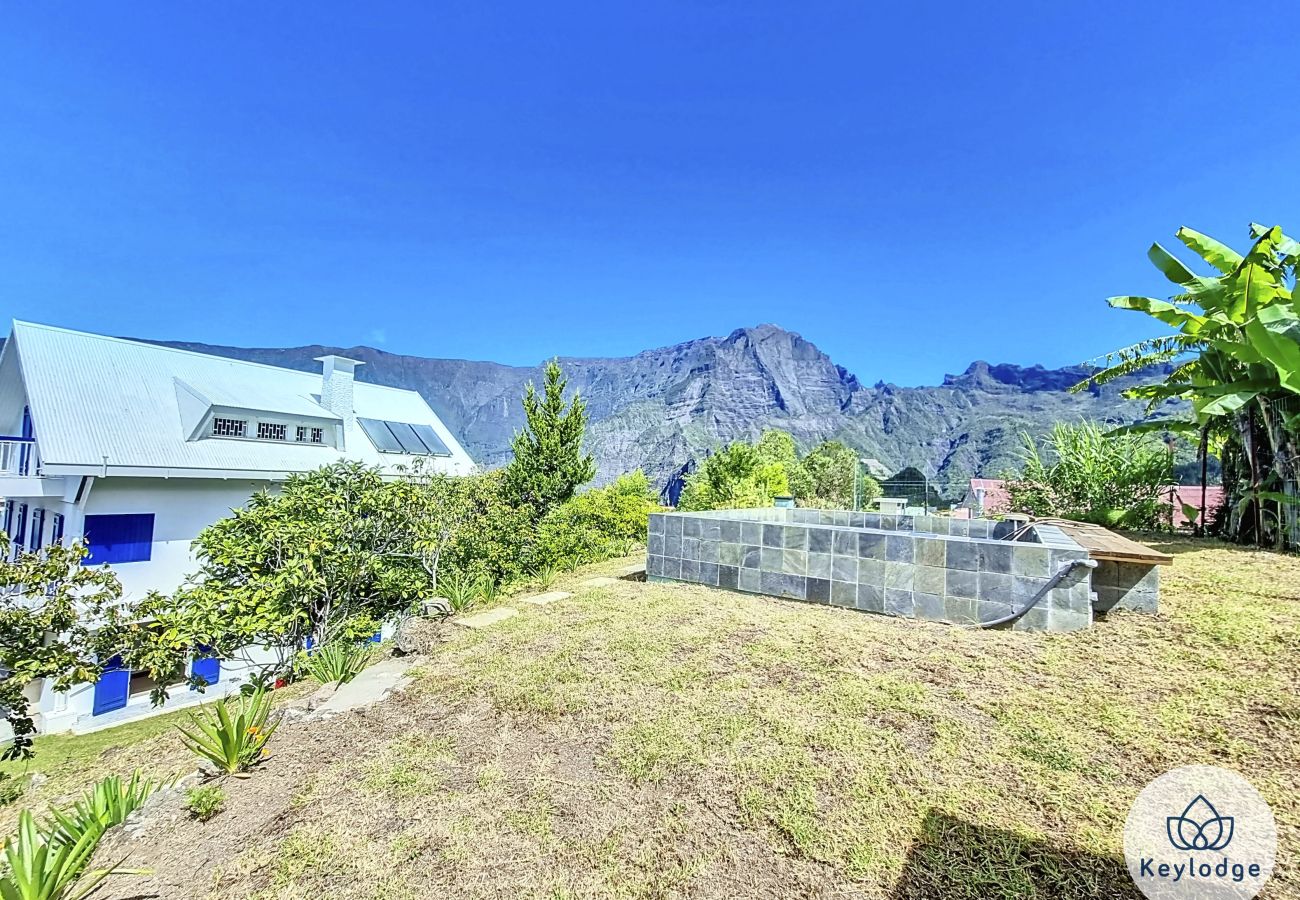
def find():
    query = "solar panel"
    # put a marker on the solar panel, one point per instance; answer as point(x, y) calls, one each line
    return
point(380, 436)
point(401, 437)
point(431, 440)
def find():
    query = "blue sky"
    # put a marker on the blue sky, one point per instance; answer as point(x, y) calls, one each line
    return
point(909, 186)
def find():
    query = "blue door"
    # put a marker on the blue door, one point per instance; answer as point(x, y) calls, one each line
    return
point(112, 688)
point(25, 455)
point(206, 668)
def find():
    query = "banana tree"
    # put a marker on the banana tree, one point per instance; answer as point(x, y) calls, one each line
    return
point(1236, 344)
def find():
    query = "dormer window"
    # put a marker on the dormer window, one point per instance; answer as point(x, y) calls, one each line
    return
point(229, 427)
point(305, 435)
point(271, 431)
point(318, 435)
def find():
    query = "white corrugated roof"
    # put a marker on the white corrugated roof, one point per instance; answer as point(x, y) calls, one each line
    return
point(93, 397)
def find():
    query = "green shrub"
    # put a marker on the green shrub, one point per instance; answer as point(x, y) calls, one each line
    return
point(595, 525)
point(545, 575)
point(11, 788)
point(337, 662)
point(206, 801)
point(460, 590)
point(1089, 475)
point(232, 743)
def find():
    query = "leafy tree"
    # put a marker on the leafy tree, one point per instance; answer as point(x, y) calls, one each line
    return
point(738, 477)
point(595, 524)
point(1237, 340)
point(1090, 476)
point(58, 620)
point(828, 472)
point(329, 556)
point(549, 465)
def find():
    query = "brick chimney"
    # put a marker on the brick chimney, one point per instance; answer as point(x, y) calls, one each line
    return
point(337, 378)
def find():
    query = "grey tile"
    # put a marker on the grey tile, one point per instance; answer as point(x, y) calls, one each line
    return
point(995, 586)
point(871, 598)
point(900, 548)
point(844, 593)
point(844, 568)
point(770, 582)
point(995, 557)
point(898, 602)
point(930, 607)
point(795, 537)
point(991, 610)
point(872, 544)
point(871, 520)
point(711, 530)
point(691, 570)
point(751, 533)
point(751, 557)
point(691, 527)
point(673, 526)
point(673, 545)
point(729, 554)
point(1068, 620)
point(962, 583)
point(656, 523)
point(846, 542)
point(655, 544)
point(1034, 620)
point(1024, 589)
point(774, 536)
point(709, 551)
point(749, 581)
point(729, 532)
point(773, 559)
point(709, 573)
point(1031, 560)
point(899, 575)
point(929, 580)
point(728, 577)
point(959, 527)
point(672, 568)
point(857, 520)
point(960, 611)
point(871, 571)
point(819, 565)
point(654, 565)
point(907, 523)
point(794, 587)
point(888, 522)
point(1003, 529)
point(931, 552)
point(690, 548)
point(819, 540)
point(963, 555)
point(819, 590)
point(794, 562)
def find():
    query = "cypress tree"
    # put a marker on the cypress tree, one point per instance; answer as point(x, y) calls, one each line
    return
point(549, 465)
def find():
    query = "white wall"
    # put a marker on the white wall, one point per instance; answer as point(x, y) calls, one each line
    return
point(182, 507)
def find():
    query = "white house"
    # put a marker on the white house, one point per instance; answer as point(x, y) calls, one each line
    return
point(137, 447)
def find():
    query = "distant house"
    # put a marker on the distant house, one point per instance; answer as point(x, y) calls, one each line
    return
point(137, 447)
point(989, 497)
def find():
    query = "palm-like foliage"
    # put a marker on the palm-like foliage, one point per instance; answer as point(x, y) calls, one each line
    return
point(104, 805)
point(40, 865)
point(1238, 336)
point(232, 743)
point(338, 662)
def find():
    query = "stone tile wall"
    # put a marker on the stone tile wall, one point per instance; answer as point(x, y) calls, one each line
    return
point(927, 567)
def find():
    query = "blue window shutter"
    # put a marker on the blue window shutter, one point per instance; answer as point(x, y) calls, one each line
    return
point(56, 530)
point(38, 527)
point(119, 538)
point(9, 517)
point(20, 530)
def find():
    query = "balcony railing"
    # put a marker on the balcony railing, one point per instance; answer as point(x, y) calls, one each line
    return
point(19, 458)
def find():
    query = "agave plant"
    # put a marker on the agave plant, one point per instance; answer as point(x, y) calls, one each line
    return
point(487, 589)
point(461, 591)
point(235, 743)
point(545, 576)
point(338, 662)
point(40, 865)
point(104, 805)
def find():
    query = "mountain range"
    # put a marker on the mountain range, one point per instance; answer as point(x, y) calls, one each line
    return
point(663, 409)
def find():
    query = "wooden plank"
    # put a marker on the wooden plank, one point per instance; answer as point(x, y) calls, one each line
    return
point(1104, 544)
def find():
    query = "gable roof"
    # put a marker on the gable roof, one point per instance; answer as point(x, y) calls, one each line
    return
point(109, 404)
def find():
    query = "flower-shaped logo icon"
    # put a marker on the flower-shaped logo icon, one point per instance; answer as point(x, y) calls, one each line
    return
point(1200, 827)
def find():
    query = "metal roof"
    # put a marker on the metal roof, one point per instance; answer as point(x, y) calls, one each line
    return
point(112, 405)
